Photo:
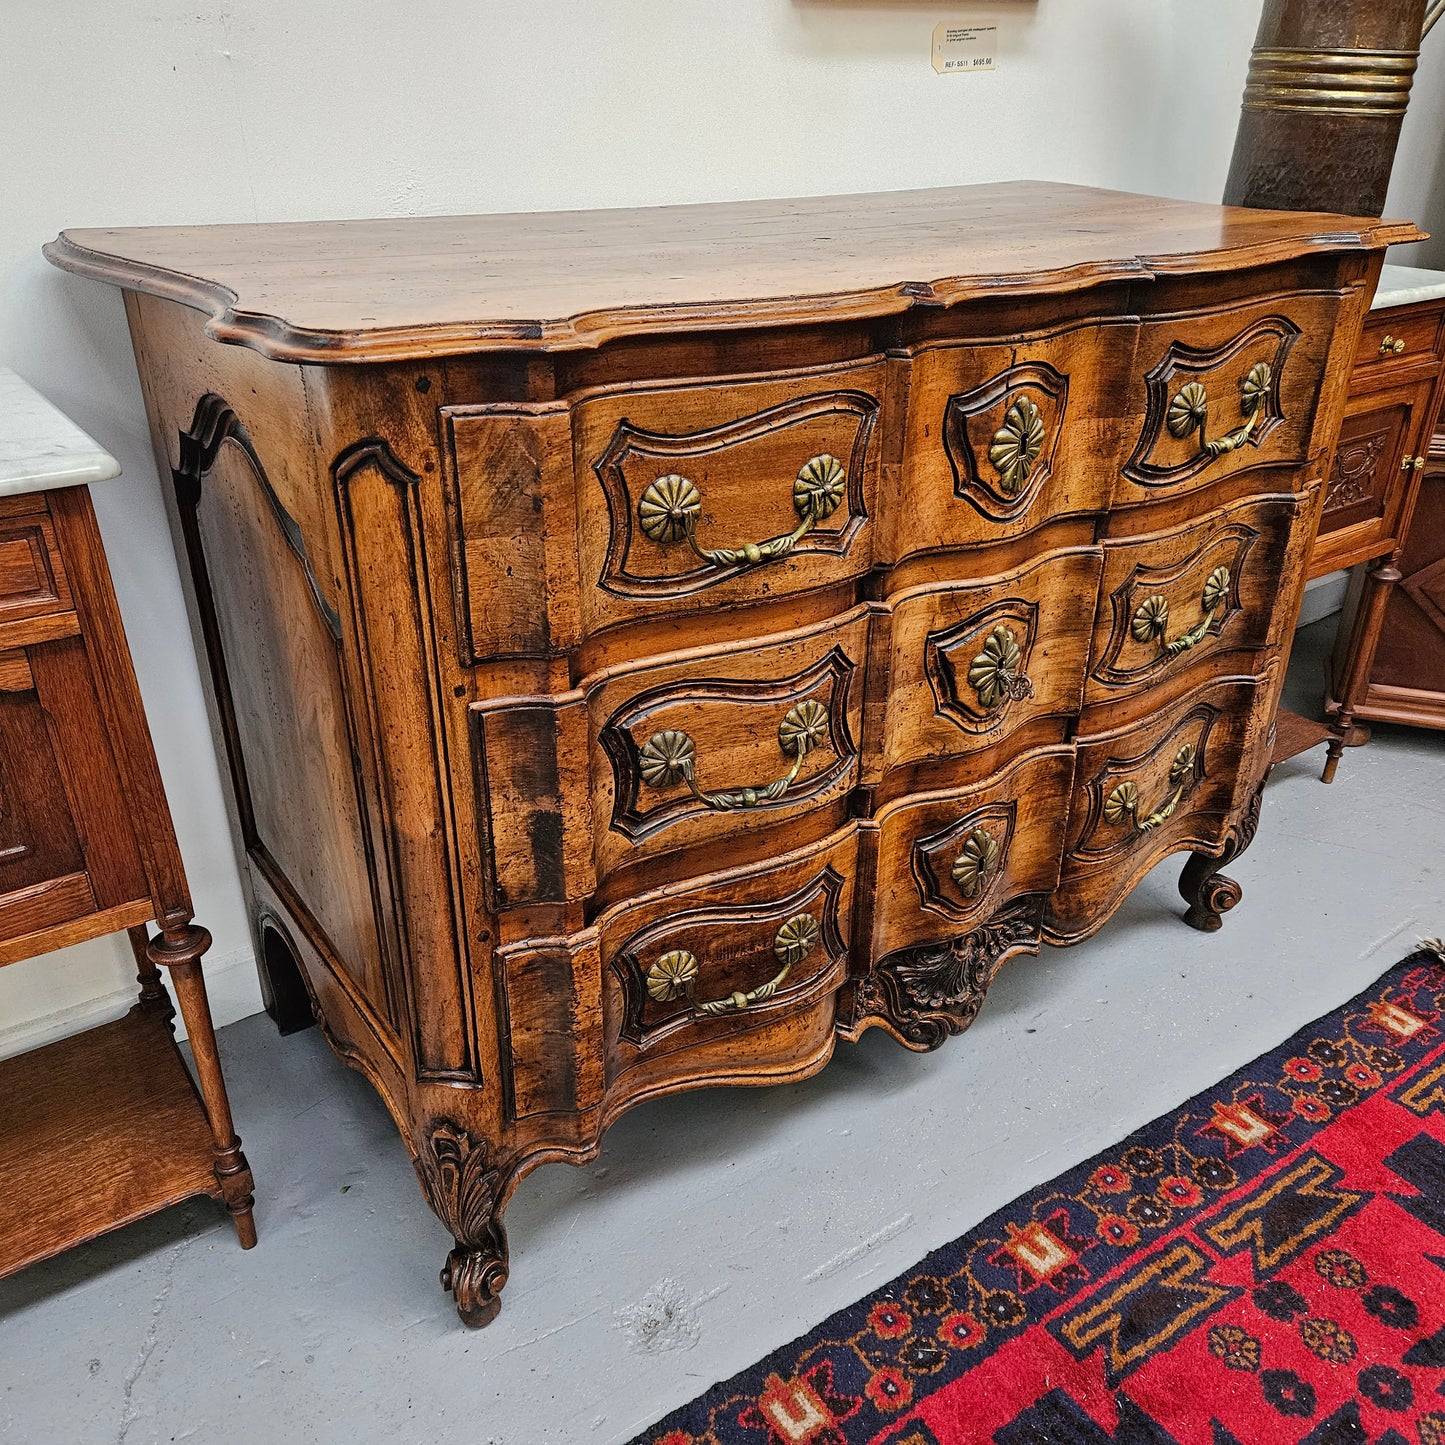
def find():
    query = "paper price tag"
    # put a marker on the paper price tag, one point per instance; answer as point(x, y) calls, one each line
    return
point(963, 49)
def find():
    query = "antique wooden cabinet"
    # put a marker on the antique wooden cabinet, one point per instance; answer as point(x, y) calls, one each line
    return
point(105, 1126)
point(1389, 659)
point(650, 646)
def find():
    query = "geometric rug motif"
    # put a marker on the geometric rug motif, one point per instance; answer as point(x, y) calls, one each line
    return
point(1263, 1266)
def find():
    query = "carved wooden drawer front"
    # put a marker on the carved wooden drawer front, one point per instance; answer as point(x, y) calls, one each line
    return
point(1173, 599)
point(1000, 438)
point(971, 664)
point(694, 747)
point(32, 577)
point(710, 493)
point(1143, 791)
point(947, 861)
point(1398, 339)
point(1225, 391)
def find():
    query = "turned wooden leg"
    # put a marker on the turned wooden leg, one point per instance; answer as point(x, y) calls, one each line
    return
point(1364, 639)
point(179, 949)
point(153, 993)
point(1209, 894)
point(462, 1181)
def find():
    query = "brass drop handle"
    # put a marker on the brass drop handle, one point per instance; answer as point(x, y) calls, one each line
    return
point(1151, 618)
point(1392, 346)
point(669, 509)
point(1123, 802)
point(1189, 411)
point(670, 757)
point(674, 973)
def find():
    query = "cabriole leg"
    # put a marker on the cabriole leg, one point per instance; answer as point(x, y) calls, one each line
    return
point(1203, 887)
point(461, 1181)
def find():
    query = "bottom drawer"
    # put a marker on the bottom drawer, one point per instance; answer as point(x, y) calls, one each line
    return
point(949, 861)
point(1145, 791)
point(728, 978)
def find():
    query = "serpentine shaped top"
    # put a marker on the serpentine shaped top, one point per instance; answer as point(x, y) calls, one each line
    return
point(425, 286)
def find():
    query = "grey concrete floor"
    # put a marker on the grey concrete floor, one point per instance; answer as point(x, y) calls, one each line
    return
point(715, 1226)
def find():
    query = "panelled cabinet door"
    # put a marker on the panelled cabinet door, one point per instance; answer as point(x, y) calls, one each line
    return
point(1382, 435)
point(66, 844)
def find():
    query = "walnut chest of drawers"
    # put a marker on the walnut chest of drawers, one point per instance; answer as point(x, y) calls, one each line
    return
point(650, 645)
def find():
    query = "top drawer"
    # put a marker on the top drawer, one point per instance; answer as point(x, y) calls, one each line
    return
point(1399, 338)
point(1223, 391)
point(711, 493)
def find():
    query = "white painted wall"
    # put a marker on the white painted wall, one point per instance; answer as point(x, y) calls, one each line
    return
point(261, 110)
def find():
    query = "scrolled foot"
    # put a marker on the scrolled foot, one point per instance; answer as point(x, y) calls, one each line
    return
point(1209, 897)
point(474, 1278)
point(461, 1179)
point(1207, 891)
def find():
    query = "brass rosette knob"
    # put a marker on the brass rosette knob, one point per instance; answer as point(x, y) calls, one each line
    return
point(977, 862)
point(675, 973)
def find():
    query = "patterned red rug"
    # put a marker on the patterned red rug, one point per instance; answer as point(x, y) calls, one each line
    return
point(1266, 1264)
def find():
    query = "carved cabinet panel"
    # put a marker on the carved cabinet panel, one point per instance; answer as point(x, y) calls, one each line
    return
point(1373, 472)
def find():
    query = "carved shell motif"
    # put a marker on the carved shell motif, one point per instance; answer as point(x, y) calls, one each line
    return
point(995, 673)
point(1016, 445)
point(975, 866)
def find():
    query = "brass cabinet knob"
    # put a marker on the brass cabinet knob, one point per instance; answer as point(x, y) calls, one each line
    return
point(1392, 346)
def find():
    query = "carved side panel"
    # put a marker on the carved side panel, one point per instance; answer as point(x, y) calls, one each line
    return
point(1001, 438)
point(1204, 402)
point(273, 642)
point(386, 558)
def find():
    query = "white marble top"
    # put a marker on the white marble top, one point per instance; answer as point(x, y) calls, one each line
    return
point(40, 447)
point(1404, 285)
